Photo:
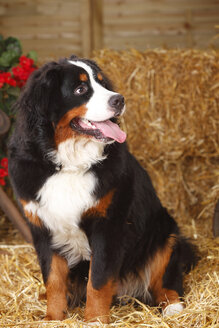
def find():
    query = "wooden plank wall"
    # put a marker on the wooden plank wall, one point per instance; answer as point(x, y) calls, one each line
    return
point(56, 28)
point(154, 23)
point(51, 27)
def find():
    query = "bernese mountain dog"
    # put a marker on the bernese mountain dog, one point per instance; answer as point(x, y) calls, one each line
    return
point(98, 227)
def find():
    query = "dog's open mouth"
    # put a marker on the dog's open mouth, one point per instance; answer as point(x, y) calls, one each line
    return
point(105, 131)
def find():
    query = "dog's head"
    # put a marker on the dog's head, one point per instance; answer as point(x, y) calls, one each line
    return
point(77, 99)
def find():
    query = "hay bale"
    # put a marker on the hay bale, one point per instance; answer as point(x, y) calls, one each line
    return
point(172, 124)
point(172, 121)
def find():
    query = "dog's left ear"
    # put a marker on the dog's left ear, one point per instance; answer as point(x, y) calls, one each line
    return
point(41, 95)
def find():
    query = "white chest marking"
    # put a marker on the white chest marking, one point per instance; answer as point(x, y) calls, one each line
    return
point(66, 195)
point(63, 199)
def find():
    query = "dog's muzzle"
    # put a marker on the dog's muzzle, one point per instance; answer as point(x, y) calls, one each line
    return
point(116, 104)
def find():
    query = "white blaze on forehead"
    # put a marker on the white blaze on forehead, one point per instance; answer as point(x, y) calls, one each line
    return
point(97, 106)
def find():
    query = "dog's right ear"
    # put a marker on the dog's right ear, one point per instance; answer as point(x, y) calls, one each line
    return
point(41, 93)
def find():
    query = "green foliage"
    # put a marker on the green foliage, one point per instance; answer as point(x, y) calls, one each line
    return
point(10, 51)
point(33, 55)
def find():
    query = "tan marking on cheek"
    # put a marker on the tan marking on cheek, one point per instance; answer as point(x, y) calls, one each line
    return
point(83, 77)
point(63, 131)
point(56, 289)
point(33, 218)
point(99, 76)
point(99, 301)
point(158, 267)
point(101, 208)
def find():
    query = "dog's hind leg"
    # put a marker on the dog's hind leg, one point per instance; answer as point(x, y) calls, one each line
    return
point(166, 279)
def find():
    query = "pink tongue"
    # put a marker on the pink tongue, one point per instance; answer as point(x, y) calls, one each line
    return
point(111, 130)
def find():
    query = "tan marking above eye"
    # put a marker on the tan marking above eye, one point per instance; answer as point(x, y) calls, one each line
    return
point(99, 76)
point(83, 77)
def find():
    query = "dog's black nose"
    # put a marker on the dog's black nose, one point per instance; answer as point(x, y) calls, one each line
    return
point(117, 103)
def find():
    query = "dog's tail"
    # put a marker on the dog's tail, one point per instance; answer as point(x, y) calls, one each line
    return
point(189, 254)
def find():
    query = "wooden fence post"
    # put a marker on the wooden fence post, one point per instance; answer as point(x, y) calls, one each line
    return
point(86, 30)
point(97, 24)
point(91, 26)
point(14, 215)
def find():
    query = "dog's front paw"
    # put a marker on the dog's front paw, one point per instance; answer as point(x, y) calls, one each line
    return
point(173, 309)
point(48, 318)
point(94, 324)
point(55, 316)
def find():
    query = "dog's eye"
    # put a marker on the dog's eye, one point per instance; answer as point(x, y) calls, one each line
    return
point(82, 89)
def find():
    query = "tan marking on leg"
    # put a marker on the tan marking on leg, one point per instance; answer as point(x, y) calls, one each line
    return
point(99, 301)
point(101, 208)
point(163, 296)
point(56, 289)
point(63, 131)
point(33, 218)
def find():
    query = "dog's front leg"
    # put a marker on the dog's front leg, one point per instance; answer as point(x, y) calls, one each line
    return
point(99, 299)
point(54, 270)
point(56, 289)
point(107, 256)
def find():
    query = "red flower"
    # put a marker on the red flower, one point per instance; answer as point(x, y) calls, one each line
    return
point(17, 71)
point(3, 173)
point(4, 162)
point(6, 78)
point(22, 73)
point(12, 82)
point(2, 79)
point(3, 170)
point(2, 182)
point(26, 62)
